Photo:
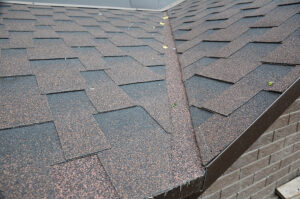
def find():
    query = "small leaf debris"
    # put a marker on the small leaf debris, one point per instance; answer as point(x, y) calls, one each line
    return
point(162, 23)
point(153, 27)
point(166, 17)
point(174, 105)
point(165, 47)
point(270, 83)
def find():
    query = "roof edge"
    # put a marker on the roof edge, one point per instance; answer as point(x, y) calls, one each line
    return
point(194, 188)
point(28, 2)
point(183, 190)
point(234, 150)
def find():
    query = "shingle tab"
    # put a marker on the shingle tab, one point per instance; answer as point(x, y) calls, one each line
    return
point(85, 178)
point(200, 89)
point(278, 34)
point(249, 36)
point(14, 62)
point(233, 31)
point(52, 76)
point(125, 70)
point(138, 162)
point(144, 55)
point(77, 39)
point(125, 40)
point(107, 48)
point(246, 88)
point(21, 102)
point(219, 131)
point(153, 97)
point(202, 49)
point(287, 53)
point(104, 93)
point(50, 52)
point(90, 58)
point(277, 16)
point(78, 132)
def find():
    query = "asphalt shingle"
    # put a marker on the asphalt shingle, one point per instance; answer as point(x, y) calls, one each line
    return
point(21, 102)
point(138, 162)
point(92, 105)
point(78, 131)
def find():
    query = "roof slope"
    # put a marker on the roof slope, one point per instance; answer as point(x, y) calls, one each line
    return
point(84, 105)
point(92, 105)
point(237, 57)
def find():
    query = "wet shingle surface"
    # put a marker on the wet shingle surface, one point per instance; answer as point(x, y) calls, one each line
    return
point(93, 106)
point(253, 43)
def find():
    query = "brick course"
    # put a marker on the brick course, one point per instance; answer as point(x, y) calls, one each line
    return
point(271, 161)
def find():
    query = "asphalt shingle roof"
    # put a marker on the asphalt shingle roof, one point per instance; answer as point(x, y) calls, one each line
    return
point(92, 105)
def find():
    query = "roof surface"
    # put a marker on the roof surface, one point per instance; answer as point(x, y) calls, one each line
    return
point(92, 105)
point(237, 57)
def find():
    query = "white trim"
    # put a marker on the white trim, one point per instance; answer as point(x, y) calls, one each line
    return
point(90, 6)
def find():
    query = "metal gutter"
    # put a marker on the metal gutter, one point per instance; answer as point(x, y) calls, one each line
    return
point(33, 3)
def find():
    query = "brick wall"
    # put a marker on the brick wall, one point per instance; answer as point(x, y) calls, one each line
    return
point(271, 161)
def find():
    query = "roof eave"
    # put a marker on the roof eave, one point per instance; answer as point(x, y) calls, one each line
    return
point(232, 152)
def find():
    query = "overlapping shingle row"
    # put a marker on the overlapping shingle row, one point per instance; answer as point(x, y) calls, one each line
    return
point(85, 86)
point(236, 58)
point(88, 108)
